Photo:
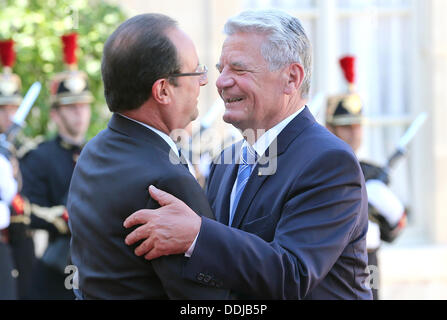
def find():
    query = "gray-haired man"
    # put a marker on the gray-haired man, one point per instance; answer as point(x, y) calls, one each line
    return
point(297, 232)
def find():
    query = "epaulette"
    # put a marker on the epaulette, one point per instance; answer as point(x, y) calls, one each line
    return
point(29, 145)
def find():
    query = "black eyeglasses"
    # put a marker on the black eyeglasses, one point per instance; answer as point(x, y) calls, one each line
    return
point(201, 71)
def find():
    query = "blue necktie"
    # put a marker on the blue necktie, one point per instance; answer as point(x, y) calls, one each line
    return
point(248, 160)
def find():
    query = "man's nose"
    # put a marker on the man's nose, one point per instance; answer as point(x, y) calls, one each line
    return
point(224, 81)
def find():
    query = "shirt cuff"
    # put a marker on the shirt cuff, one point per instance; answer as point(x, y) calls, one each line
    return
point(190, 251)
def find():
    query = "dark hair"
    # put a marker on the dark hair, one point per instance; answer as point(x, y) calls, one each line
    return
point(137, 54)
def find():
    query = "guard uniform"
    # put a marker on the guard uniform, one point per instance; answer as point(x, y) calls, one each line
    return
point(47, 172)
point(387, 216)
point(16, 237)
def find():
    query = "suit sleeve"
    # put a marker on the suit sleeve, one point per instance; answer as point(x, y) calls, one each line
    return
point(170, 268)
point(317, 221)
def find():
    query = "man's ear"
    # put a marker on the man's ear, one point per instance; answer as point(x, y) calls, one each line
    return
point(161, 91)
point(295, 77)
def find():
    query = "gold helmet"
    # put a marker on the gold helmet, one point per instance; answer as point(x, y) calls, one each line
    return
point(345, 109)
point(70, 86)
point(10, 84)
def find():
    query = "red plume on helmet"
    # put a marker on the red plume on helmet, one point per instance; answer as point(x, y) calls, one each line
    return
point(10, 84)
point(345, 109)
point(347, 64)
point(69, 46)
point(71, 85)
point(7, 53)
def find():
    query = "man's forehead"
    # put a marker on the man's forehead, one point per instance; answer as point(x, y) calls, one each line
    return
point(240, 48)
point(236, 56)
point(186, 49)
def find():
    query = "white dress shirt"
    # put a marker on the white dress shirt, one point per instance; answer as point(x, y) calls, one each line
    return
point(167, 139)
point(260, 147)
point(263, 142)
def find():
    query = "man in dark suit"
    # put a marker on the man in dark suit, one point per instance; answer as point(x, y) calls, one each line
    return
point(152, 79)
point(293, 210)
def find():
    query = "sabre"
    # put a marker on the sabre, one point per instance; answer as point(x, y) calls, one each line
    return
point(7, 138)
point(412, 130)
point(23, 110)
point(406, 138)
point(401, 148)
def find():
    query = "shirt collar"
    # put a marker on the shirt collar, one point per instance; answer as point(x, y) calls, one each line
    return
point(163, 135)
point(268, 137)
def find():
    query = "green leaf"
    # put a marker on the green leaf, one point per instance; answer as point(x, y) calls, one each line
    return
point(36, 27)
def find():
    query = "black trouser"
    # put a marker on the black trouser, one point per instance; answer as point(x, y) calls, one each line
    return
point(372, 260)
point(23, 255)
point(49, 284)
point(8, 285)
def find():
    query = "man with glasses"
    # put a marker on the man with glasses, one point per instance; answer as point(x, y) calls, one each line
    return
point(152, 79)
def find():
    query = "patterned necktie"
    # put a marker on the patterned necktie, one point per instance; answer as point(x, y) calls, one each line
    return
point(248, 160)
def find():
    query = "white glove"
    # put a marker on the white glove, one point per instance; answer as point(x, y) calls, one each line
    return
point(384, 201)
point(8, 185)
point(373, 240)
point(8, 189)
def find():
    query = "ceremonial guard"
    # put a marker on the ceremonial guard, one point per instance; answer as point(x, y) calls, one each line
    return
point(387, 215)
point(16, 243)
point(47, 172)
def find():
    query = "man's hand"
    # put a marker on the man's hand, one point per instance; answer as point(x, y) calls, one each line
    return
point(170, 229)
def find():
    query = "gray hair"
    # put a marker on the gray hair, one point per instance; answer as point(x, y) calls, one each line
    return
point(287, 42)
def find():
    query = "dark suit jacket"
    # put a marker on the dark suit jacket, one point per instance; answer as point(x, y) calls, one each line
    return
point(110, 182)
point(298, 233)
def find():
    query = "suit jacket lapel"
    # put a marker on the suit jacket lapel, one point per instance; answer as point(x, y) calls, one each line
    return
point(222, 210)
point(253, 185)
point(268, 163)
point(228, 177)
point(135, 130)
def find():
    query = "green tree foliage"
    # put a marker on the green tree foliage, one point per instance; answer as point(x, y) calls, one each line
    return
point(36, 27)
